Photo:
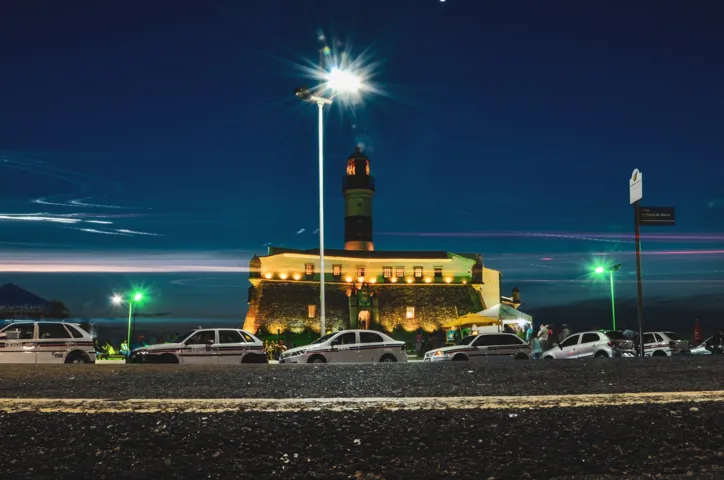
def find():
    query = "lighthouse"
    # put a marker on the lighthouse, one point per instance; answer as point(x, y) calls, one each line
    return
point(358, 188)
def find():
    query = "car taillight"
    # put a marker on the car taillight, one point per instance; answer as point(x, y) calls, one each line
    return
point(404, 347)
point(610, 344)
point(671, 344)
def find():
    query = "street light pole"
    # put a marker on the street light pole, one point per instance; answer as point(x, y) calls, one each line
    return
point(130, 320)
point(337, 81)
point(322, 313)
point(613, 302)
point(601, 270)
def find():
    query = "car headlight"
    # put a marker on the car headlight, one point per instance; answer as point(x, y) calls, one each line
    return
point(300, 352)
point(142, 352)
point(439, 353)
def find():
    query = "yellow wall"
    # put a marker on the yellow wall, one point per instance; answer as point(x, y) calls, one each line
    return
point(490, 289)
point(456, 268)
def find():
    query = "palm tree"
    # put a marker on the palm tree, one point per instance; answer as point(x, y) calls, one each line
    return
point(58, 310)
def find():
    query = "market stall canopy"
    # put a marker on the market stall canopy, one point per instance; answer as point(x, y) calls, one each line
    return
point(505, 312)
point(473, 319)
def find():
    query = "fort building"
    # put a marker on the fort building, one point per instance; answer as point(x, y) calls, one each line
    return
point(364, 287)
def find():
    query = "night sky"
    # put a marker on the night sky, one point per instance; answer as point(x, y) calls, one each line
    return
point(160, 143)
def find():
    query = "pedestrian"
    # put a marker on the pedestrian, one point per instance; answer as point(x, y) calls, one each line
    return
point(418, 343)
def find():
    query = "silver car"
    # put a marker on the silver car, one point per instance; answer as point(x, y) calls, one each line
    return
point(349, 346)
point(592, 344)
point(45, 342)
point(486, 346)
point(205, 346)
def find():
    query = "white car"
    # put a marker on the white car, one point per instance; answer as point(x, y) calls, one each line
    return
point(486, 346)
point(348, 346)
point(45, 342)
point(205, 346)
point(705, 348)
point(592, 344)
point(664, 344)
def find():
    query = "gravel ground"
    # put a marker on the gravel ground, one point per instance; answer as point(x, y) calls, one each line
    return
point(362, 380)
point(663, 441)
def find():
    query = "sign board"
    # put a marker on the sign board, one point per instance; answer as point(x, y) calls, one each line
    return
point(636, 186)
point(657, 216)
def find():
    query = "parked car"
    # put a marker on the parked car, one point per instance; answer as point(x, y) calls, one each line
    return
point(592, 344)
point(663, 344)
point(45, 342)
point(205, 346)
point(486, 346)
point(348, 346)
point(706, 347)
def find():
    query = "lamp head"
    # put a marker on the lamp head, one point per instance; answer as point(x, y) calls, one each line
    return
point(116, 299)
point(599, 270)
point(343, 81)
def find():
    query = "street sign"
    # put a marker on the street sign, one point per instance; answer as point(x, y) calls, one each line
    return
point(657, 216)
point(635, 186)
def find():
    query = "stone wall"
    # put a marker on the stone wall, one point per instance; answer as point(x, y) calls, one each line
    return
point(282, 306)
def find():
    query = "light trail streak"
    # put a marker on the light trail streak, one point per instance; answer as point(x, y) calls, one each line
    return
point(59, 261)
point(294, 405)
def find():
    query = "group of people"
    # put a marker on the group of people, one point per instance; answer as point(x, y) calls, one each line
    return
point(546, 337)
point(274, 349)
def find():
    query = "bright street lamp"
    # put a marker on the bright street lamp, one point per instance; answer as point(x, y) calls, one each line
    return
point(337, 82)
point(600, 270)
point(132, 299)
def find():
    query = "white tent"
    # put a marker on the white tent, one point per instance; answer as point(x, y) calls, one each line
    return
point(505, 312)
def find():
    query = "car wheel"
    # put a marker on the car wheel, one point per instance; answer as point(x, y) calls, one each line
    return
point(317, 359)
point(459, 358)
point(547, 357)
point(77, 358)
point(388, 359)
point(601, 355)
point(521, 356)
point(659, 353)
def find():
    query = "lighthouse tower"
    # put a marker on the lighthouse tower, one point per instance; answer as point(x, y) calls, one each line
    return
point(358, 187)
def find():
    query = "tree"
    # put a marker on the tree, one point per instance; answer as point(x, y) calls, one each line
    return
point(58, 310)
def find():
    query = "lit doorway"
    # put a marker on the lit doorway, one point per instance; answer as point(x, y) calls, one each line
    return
point(363, 320)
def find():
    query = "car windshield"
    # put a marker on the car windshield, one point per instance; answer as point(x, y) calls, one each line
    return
point(673, 335)
point(467, 340)
point(616, 335)
point(183, 337)
point(324, 338)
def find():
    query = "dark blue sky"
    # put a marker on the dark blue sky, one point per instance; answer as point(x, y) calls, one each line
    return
point(506, 128)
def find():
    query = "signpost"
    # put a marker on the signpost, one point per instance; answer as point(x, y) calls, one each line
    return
point(657, 216)
point(636, 193)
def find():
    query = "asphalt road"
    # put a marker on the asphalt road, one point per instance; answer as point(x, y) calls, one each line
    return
point(656, 440)
point(362, 380)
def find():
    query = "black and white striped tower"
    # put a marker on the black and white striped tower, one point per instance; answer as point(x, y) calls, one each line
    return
point(358, 188)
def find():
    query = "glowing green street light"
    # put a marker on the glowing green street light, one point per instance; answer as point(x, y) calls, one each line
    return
point(134, 298)
point(600, 270)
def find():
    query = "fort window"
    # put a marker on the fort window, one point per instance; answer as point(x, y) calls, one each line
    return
point(438, 272)
point(312, 311)
point(400, 272)
point(410, 312)
point(360, 272)
point(309, 269)
point(417, 272)
point(387, 272)
point(337, 270)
